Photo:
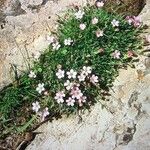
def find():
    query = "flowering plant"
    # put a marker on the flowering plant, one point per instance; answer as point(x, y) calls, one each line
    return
point(80, 64)
point(91, 46)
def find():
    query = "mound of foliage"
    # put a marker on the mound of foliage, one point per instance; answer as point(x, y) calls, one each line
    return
point(77, 69)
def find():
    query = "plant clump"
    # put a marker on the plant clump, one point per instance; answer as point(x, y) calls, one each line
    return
point(79, 66)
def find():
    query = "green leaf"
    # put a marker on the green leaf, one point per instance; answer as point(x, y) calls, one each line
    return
point(40, 70)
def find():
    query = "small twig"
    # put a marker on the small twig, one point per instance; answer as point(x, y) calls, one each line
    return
point(28, 57)
point(26, 63)
point(14, 67)
point(80, 118)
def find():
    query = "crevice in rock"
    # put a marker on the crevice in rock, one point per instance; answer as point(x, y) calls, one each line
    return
point(133, 98)
point(126, 7)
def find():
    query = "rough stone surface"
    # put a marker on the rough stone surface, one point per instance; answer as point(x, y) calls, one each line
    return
point(128, 7)
point(124, 122)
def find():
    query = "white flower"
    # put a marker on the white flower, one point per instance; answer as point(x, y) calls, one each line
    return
point(72, 74)
point(50, 39)
point(59, 97)
point(68, 85)
point(81, 77)
point(35, 106)
point(40, 88)
point(32, 74)
point(56, 46)
point(100, 4)
point(70, 101)
point(37, 55)
point(99, 33)
point(45, 113)
point(68, 41)
point(82, 26)
point(115, 23)
point(140, 66)
point(86, 70)
point(76, 93)
point(94, 79)
point(94, 20)
point(79, 14)
point(60, 74)
point(130, 21)
point(116, 54)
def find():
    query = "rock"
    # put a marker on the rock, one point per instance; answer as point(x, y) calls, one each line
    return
point(12, 8)
point(35, 2)
point(130, 7)
point(123, 124)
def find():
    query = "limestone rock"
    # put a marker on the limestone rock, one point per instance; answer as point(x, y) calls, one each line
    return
point(124, 122)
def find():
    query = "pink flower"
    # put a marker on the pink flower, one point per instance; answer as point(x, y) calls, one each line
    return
point(94, 20)
point(99, 33)
point(59, 97)
point(116, 54)
point(82, 26)
point(129, 20)
point(115, 23)
point(76, 93)
point(70, 101)
point(94, 79)
point(35, 106)
point(100, 4)
point(130, 53)
point(82, 100)
point(148, 38)
point(44, 114)
point(137, 21)
point(72, 74)
point(60, 74)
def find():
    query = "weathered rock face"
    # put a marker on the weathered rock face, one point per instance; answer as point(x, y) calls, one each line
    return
point(122, 125)
point(130, 7)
